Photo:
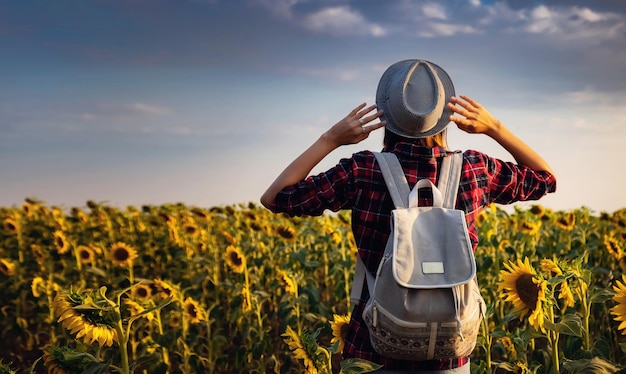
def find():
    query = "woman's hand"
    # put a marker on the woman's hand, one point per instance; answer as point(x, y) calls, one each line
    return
point(350, 130)
point(354, 127)
point(475, 118)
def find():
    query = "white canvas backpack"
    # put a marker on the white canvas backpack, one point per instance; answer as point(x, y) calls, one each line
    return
point(424, 300)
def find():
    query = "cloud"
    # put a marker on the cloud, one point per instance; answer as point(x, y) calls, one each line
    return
point(430, 19)
point(574, 22)
point(154, 110)
point(433, 10)
point(280, 8)
point(341, 21)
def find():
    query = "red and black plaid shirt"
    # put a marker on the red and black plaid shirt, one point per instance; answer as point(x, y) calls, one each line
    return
point(356, 183)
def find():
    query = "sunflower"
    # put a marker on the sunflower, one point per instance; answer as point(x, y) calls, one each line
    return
point(525, 290)
point(286, 279)
point(481, 218)
point(53, 361)
point(508, 345)
point(86, 255)
point(61, 242)
point(566, 222)
point(299, 351)
point(7, 267)
point(235, 259)
point(352, 244)
point(336, 238)
point(503, 245)
point(38, 253)
point(175, 320)
point(619, 310)
point(286, 232)
point(136, 309)
point(553, 269)
point(192, 311)
point(63, 360)
point(165, 289)
point(201, 213)
point(191, 229)
point(530, 228)
point(537, 210)
point(255, 226)
point(122, 254)
point(339, 325)
point(613, 247)
point(37, 286)
point(565, 292)
point(166, 217)
point(141, 292)
point(522, 368)
point(27, 208)
point(80, 314)
point(229, 238)
point(10, 225)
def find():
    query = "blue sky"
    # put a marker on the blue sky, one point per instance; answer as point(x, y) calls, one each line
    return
point(204, 102)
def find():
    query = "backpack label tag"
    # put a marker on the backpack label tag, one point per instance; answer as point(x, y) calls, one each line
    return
point(432, 267)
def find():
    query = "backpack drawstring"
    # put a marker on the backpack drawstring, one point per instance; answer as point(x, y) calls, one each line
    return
point(456, 291)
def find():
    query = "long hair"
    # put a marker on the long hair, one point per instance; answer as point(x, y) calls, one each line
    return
point(438, 140)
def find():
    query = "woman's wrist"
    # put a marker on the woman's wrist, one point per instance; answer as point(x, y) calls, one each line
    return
point(496, 129)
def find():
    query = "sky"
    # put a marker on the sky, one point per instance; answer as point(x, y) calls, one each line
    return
point(204, 102)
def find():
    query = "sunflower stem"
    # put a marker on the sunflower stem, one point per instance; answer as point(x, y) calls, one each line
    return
point(123, 343)
point(587, 313)
point(488, 343)
point(166, 356)
point(553, 337)
point(131, 273)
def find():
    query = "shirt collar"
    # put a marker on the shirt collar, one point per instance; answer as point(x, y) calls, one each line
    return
point(413, 150)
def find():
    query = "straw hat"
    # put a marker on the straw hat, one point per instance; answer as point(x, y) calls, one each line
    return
point(413, 95)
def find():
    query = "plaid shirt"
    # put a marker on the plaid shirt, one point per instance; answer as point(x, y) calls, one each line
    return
point(356, 183)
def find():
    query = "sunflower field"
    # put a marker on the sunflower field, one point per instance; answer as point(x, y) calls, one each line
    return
point(234, 289)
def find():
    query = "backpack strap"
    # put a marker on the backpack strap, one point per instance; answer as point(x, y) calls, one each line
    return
point(394, 178)
point(399, 190)
point(361, 275)
point(449, 178)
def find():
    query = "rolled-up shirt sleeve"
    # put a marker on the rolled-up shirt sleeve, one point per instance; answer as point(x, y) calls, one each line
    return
point(332, 190)
point(509, 182)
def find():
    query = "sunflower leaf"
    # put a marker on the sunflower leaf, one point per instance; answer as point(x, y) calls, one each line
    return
point(600, 295)
point(356, 365)
point(594, 365)
point(570, 324)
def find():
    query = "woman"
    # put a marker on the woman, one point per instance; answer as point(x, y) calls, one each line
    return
point(412, 102)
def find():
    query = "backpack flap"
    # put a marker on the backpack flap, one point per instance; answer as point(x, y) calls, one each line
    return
point(431, 248)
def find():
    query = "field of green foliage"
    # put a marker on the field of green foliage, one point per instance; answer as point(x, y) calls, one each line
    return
point(181, 289)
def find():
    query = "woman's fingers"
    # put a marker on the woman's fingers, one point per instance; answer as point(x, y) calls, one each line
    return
point(357, 109)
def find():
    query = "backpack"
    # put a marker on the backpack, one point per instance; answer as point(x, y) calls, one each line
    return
point(424, 300)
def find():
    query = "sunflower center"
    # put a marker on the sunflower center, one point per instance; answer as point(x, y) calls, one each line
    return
point(121, 254)
point(191, 310)
point(235, 259)
point(527, 290)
